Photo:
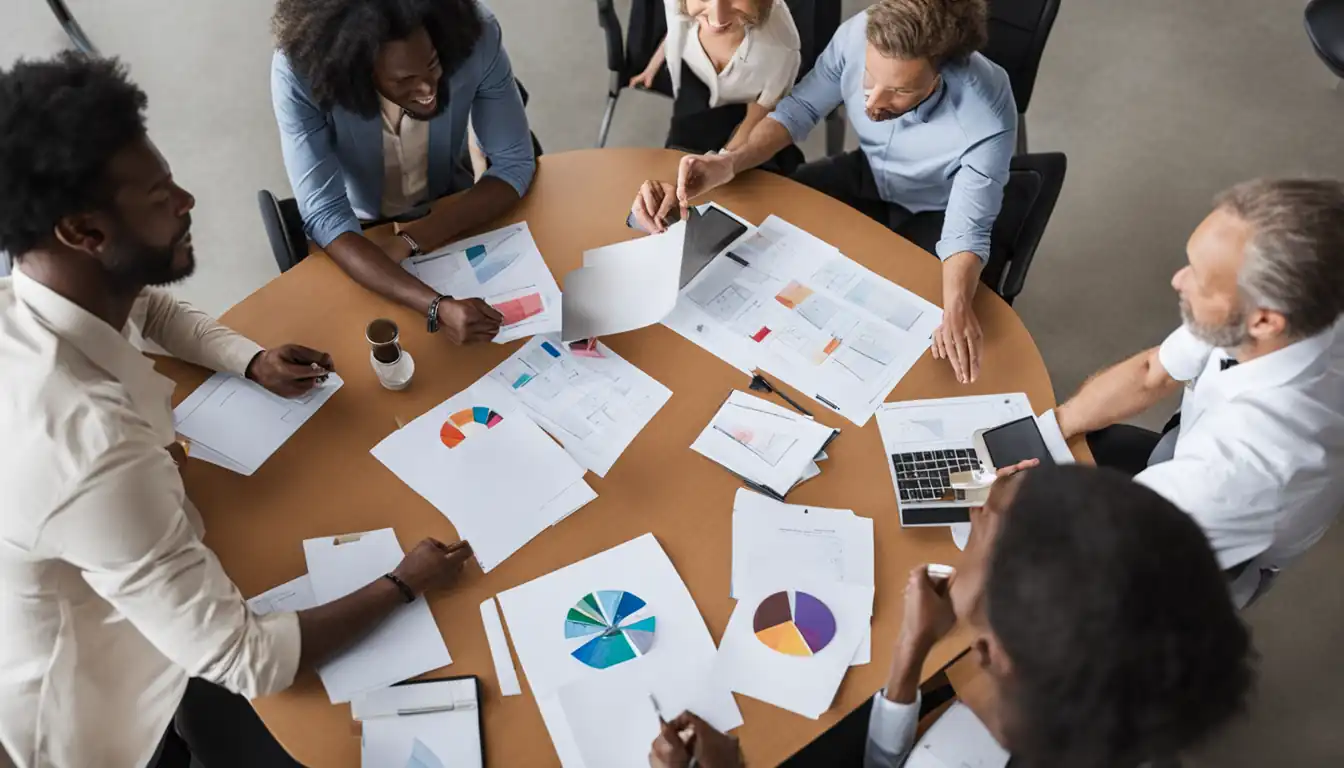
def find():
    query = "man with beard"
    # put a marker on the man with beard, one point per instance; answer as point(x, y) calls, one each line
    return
point(109, 600)
point(936, 123)
point(372, 98)
point(1256, 454)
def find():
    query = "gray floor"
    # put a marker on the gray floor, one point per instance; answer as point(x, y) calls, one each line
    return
point(1158, 104)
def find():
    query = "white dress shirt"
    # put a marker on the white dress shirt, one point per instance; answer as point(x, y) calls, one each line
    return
point(405, 159)
point(1259, 461)
point(762, 70)
point(108, 598)
point(891, 736)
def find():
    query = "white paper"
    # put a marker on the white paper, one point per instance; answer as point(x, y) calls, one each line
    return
point(407, 643)
point(624, 286)
point(763, 442)
point(802, 684)
point(237, 424)
point(792, 305)
point(511, 267)
point(499, 649)
point(536, 614)
point(773, 541)
point(403, 700)
point(433, 740)
point(498, 484)
point(595, 404)
point(294, 595)
point(957, 739)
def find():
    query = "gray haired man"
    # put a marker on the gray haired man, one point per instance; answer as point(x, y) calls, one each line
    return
point(1256, 454)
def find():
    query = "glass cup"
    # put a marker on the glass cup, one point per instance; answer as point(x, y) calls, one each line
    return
point(391, 363)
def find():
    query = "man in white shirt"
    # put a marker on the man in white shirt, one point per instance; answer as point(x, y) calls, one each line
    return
point(109, 600)
point(1257, 456)
point(1097, 614)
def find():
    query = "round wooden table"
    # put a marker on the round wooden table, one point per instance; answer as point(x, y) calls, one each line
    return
point(324, 481)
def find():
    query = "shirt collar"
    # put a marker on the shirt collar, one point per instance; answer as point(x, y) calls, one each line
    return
point(392, 113)
point(104, 346)
point(926, 108)
point(1301, 359)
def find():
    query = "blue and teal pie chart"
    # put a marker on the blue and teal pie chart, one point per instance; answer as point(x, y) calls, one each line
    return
point(611, 627)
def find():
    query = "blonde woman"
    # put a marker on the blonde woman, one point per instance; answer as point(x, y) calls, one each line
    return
point(731, 62)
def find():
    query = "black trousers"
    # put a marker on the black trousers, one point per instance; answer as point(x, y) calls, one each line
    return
point(1126, 447)
point(849, 179)
point(219, 729)
point(700, 128)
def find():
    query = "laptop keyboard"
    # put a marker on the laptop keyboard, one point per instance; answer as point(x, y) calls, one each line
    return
point(924, 475)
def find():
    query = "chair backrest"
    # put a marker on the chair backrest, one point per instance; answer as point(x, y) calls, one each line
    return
point(284, 228)
point(1324, 20)
point(1018, 31)
point(1029, 199)
point(817, 21)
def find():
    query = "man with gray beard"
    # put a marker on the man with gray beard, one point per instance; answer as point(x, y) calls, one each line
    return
point(1256, 454)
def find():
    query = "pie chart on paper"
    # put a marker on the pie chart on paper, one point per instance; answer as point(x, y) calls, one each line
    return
point(610, 627)
point(794, 623)
point(467, 422)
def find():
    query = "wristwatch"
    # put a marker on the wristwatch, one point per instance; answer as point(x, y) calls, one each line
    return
point(432, 319)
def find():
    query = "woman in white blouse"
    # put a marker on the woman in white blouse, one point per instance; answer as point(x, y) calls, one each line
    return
point(731, 62)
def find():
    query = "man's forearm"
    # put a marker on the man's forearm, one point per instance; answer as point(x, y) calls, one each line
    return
point(1124, 390)
point(329, 629)
point(961, 277)
point(374, 269)
point(488, 199)
point(766, 139)
point(906, 668)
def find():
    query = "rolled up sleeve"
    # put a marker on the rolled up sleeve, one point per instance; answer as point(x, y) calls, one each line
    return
point(976, 197)
point(818, 94)
point(1183, 355)
point(314, 171)
point(498, 117)
point(126, 531)
point(891, 732)
point(187, 332)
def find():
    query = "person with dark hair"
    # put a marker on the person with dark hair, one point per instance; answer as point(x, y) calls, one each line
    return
point(109, 600)
point(373, 98)
point(1256, 453)
point(937, 126)
point(1097, 613)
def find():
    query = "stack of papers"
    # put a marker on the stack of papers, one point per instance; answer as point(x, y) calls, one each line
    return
point(769, 446)
point(624, 286)
point(790, 304)
point(237, 424)
point(406, 644)
point(588, 398)
point(482, 462)
point(597, 638)
point(774, 542)
point(502, 268)
point(424, 724)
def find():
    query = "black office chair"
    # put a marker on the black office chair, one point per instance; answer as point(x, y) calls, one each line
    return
point(1029, 199)
point(1018, 31)
point(1324, 20)
point(629, 51)
point(284, 224)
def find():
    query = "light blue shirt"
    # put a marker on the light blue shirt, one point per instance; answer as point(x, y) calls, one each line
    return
point(335, 158)
point(951, 153)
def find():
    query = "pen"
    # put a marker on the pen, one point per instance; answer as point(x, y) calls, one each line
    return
point(428, 710)
point(685, 735)
point(760, 384)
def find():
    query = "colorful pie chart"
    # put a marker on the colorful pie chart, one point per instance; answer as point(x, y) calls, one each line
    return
point(612, 627)
point(794, 623)
point(467, 422)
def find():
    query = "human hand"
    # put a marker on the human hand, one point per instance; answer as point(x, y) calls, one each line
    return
point(644, 79)
point(698, 174)
point(653, 203)
point(1013, 469)
point(687, 736)
point(290, 370)
point(928, 612)
point(468, 321)
point(959, 340)
point(432, 565)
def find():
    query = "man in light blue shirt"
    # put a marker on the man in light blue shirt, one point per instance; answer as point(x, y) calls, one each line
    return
point(372, 98)
point(936, 123)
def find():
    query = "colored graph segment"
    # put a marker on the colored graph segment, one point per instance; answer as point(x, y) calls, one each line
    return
point(423, 757)
point(467, 422)
point(794, 294)
point(487, 262)
point(794, 623)
point(613, 625)
point(520, 309)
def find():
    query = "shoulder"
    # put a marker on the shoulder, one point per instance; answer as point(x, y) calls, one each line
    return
point(982, 94)
point(780, 29)
point(287, 85)
point(492, 34)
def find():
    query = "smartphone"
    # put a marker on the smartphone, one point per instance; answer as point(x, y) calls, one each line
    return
point(1011, 443)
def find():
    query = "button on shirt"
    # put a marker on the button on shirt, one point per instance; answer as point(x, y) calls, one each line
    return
point(950, 153)
point(1259, 462)
point(405, 159)
point(761, 70)
point(108, 598)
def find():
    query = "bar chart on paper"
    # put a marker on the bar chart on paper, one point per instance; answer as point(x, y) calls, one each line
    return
point(794, 623)
point(614, 627)
point(467, 422)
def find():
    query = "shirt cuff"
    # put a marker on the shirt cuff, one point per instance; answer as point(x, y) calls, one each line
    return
point(1184, 356)
point(235, 354)
point(798, 129)
point(286, 647)
point(325, 233)
point(1053, 436)
point(518, 178)
point(891, 726)
point(948, 247)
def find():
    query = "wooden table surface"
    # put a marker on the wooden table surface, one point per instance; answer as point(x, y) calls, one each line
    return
point(323, 481)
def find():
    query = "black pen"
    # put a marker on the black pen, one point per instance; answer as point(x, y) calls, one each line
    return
point(760, 384)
